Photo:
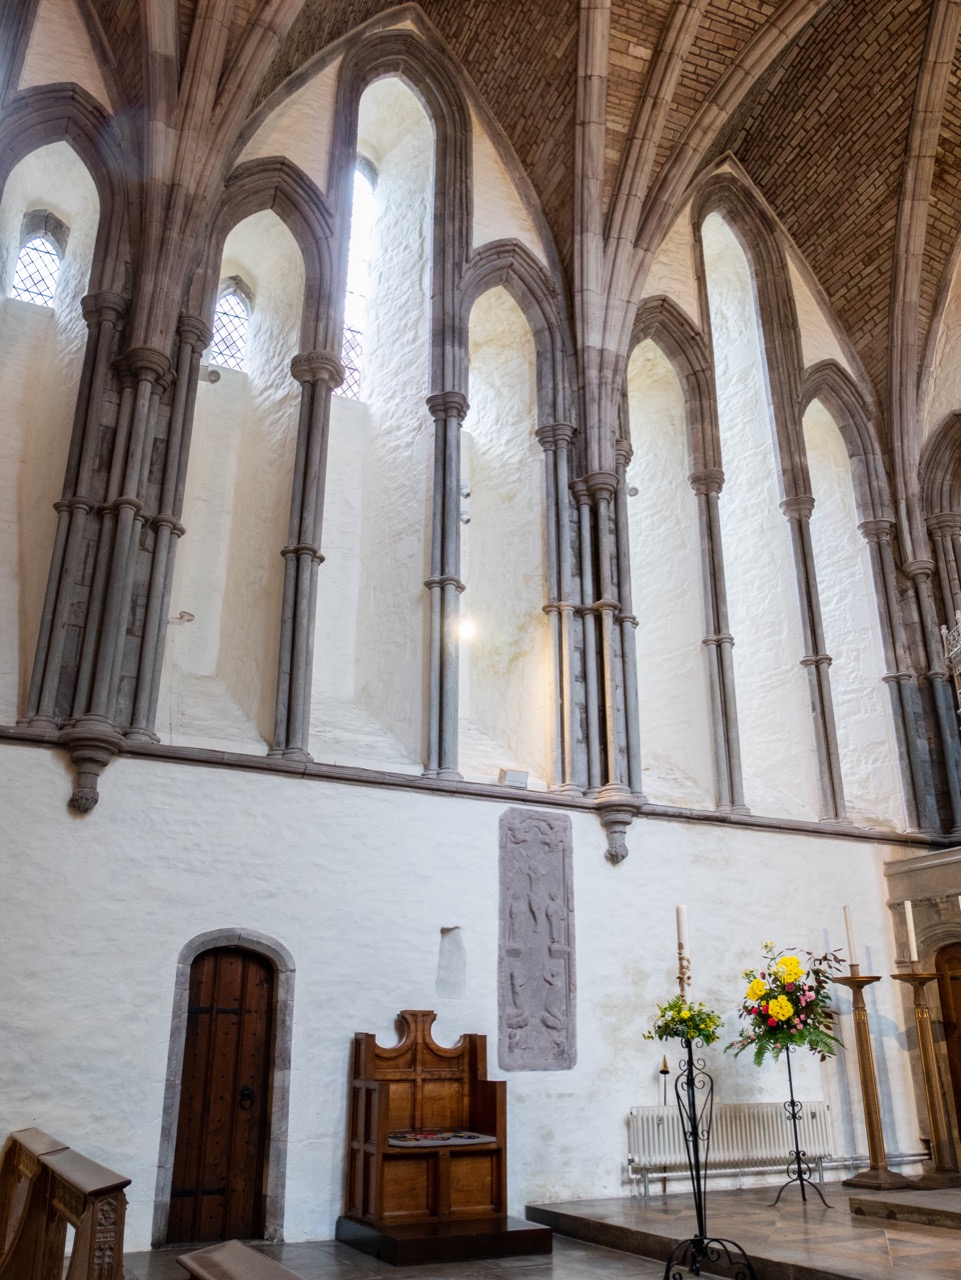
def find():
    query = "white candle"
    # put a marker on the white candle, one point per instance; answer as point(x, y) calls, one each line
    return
point(852, 954)
point(909, 921)
point(683, 941)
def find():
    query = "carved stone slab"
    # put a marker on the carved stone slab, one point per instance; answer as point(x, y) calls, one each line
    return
point(535, 975)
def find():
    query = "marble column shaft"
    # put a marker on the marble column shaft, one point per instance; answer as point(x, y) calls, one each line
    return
point(556, 439)
point(318, 373)
point(627, 623)
point(582, 497)
point(444, 587)
point(816, 660)
point(718, 643)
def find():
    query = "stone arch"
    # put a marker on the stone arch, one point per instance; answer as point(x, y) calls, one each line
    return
point(511, 265)
point(59, 113)
point(424, 66)
point(662, 321)
point(828, 382)
point(277, 184)
point(939, 471)
point(284, 967)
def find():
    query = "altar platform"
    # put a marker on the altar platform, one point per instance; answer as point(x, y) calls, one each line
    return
point(795, 1240)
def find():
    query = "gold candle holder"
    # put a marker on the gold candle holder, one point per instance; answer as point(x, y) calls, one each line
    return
point(945, 1171)
point(878, 1177)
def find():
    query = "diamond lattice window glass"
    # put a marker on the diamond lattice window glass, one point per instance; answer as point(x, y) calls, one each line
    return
point(358, 284)
point(231, 322)
point(35, 277)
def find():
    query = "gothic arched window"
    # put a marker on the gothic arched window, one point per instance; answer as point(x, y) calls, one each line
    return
point(228, 347)
point(37, 271)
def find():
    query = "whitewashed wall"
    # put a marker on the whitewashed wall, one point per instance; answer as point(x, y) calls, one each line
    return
point(667, 592)
point(505, 662)
point(220, 668)
point(862, 704)
point(42, 354)
point(357, 883)
point(773, 713)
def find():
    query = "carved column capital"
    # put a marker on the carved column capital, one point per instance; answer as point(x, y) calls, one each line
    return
point(448, 404)
point(195, 331)
point(919, 570)
point(147, 364)
point(623, 451)
point(876, 530)
point(799, 507)
point(318, 366)
point(601, 484)
point(944, 522)
point(554, 435)
point(105, 305)
point(709, 480)
point(92, 742)
point(580, 491)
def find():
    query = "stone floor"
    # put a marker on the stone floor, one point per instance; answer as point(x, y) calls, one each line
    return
point(602, 1239)
point(794, 1241)
point(327, 1260)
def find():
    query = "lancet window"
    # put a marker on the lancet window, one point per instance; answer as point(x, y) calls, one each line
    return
point(363, 214)
point(228, 347)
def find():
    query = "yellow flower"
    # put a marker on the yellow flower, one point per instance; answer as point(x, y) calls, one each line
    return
point(685, 1013)
point(790, 968)
point(781, 1008)
point(756, 990)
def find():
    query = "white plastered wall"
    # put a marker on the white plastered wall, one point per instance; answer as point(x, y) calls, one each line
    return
point(301, 127)
point(774, 717)
point(41, 352)
point(505, 663)
point(367, 694)
point(499, 212)
point(220, 667)
point(357, 883)
point(667, 598)
point(862, 707)
point(60, 50)
point(818, 339)
point(672, 271)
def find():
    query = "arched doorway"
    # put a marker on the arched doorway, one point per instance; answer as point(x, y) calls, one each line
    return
point(948, 965)
point(218, 1185)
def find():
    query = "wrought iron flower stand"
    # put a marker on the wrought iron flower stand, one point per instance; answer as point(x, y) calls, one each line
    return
point(694, 1090)
point(798, 1169)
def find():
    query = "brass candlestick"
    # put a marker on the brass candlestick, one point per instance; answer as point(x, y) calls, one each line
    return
point(945, 1172)
point(878, 1177)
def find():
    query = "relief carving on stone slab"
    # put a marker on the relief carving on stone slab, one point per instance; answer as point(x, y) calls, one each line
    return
point(536, 978)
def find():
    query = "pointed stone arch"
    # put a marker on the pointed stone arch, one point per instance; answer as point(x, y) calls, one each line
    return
point(68, 113)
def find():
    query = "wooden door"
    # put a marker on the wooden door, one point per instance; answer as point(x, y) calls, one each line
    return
point(948, 964)
point(219, 1163)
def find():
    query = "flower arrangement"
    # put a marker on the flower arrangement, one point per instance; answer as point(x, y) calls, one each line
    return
point(681, 1019)
point(788, 1004)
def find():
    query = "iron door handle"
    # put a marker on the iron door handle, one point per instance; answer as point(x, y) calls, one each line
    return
point(246, 1098)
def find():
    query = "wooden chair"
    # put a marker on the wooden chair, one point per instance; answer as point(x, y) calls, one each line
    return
point(427, 1157)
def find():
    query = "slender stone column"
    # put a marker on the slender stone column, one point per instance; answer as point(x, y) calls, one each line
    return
point(627, 622)
point(444, 587)
point(318, 372)
point(816, 660)
point(582, 497)
point(901, 680)
point(194, 337)
point(103, 313)
point(921, 573)
point(556, 439)
point(602, 486)
point(945, 533)
point(718, 643)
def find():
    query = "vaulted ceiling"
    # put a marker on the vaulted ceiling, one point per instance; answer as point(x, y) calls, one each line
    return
point(846, 116)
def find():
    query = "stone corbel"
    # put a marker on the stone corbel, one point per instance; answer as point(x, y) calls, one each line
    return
point(92, 743)
point(616, 817)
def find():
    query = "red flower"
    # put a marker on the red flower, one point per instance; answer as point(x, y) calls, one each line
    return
point(772, 1022)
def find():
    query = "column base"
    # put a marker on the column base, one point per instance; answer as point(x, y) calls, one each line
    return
point(883, 1179)
point(936, 1180)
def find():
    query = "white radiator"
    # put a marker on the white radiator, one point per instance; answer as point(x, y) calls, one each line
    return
point(745, 1136)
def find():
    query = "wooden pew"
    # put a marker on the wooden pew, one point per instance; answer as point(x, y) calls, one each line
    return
point(45, 1187)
